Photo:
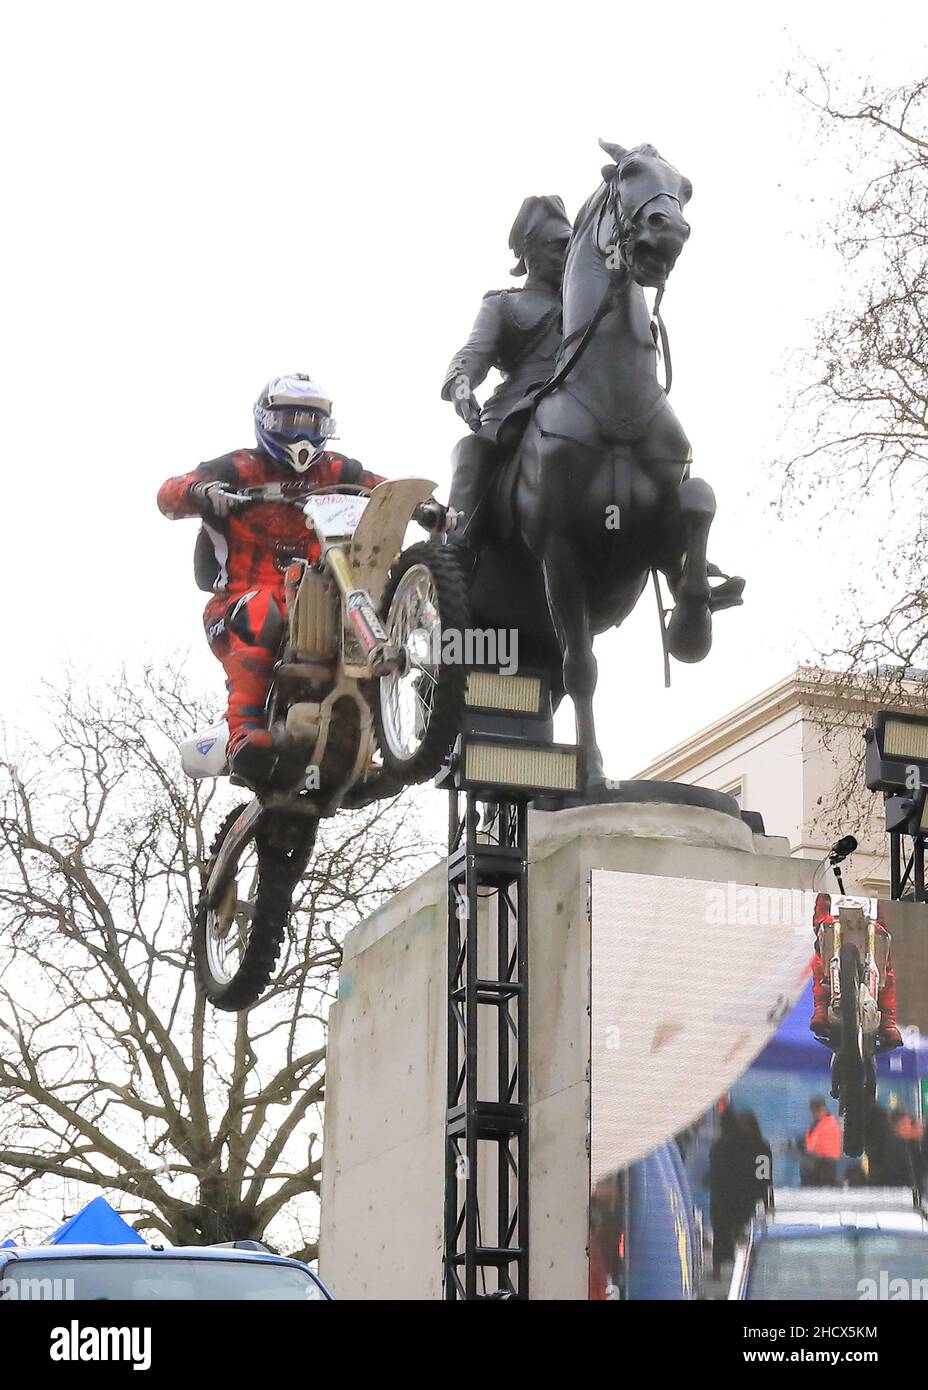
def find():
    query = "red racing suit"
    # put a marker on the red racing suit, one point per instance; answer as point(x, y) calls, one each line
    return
point(242, 559)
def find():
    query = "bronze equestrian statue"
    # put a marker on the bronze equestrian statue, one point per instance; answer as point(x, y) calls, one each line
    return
point(597, 494)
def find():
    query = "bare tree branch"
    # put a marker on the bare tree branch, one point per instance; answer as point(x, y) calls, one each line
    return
point(864, 404)
point(113, 1072)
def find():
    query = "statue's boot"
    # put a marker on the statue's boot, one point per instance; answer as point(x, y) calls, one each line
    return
point(474, 463)
point(728, 594)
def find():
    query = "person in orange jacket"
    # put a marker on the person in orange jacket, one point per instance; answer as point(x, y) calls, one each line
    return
point(889, 1035)
point(823, 1144)
point(905, 1128)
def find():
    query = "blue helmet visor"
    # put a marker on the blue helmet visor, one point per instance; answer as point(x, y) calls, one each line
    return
point(291, 423)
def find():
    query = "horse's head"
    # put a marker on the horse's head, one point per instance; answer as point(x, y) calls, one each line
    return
point(646, 196)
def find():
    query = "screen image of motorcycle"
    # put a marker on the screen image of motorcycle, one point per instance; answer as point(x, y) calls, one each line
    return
point(698, 1013)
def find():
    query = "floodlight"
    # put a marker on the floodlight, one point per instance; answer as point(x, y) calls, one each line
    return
point(897, 752)
point(510, 766)
point(506, 694)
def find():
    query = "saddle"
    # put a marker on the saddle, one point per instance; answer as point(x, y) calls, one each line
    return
point(502, 484)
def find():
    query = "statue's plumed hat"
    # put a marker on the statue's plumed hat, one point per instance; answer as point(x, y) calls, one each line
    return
point(536, 215)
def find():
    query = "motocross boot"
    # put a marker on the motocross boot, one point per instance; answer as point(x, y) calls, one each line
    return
point(252, 756)
point(889, 1035)
point(819, 1023)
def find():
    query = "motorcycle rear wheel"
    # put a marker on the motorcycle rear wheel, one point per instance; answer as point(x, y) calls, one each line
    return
point(237, 941)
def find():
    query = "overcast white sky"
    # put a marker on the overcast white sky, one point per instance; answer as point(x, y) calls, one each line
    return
point(200, 196)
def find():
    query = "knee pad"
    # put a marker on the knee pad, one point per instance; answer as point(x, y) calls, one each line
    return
point(256, 619)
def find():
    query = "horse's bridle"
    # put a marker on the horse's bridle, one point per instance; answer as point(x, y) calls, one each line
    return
point(618, 278)
point(624, 221)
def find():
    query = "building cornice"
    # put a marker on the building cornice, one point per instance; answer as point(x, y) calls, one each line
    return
point(805, 688)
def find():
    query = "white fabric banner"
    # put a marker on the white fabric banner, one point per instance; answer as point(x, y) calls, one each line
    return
point(690, 979)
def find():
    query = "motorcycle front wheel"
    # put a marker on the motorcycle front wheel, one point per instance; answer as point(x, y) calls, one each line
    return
point(421, 703)
point(237, 940)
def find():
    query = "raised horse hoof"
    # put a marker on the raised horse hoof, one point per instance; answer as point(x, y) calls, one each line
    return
point(689, 632)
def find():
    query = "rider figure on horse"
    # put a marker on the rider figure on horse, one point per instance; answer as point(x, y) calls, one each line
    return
point(242, 553)
point(517, 331)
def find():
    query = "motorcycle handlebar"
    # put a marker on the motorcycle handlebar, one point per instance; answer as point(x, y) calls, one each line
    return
point(286, 492)
point(275, 492)
point(432, 515)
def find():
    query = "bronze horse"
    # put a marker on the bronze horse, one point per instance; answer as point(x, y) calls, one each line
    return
point(598, 495)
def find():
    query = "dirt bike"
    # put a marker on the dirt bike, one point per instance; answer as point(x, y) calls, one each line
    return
point(360, 705)
point(857, 957)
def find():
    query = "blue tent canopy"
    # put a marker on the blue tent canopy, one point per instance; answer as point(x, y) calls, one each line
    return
point(95, 1224)
point(793, 1048)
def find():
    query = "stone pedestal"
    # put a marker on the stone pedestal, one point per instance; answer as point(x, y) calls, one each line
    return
point(710, 880)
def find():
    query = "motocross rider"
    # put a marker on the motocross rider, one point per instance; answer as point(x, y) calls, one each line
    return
point(242, 552)
point(888, 1036)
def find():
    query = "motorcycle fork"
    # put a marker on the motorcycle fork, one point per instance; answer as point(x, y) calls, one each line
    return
point(871, 969)
point(245, 828)
point(361, 613)
point(834, 966)
point(834, 970)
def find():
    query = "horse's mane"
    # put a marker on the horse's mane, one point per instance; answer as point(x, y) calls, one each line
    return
point(582, 220)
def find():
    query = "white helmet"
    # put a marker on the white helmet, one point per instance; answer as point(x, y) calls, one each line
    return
point(293, 419)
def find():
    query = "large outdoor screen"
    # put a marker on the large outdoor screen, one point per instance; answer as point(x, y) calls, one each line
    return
point(701, 997)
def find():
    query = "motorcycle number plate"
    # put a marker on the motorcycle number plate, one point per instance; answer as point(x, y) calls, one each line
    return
point(334, 515)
